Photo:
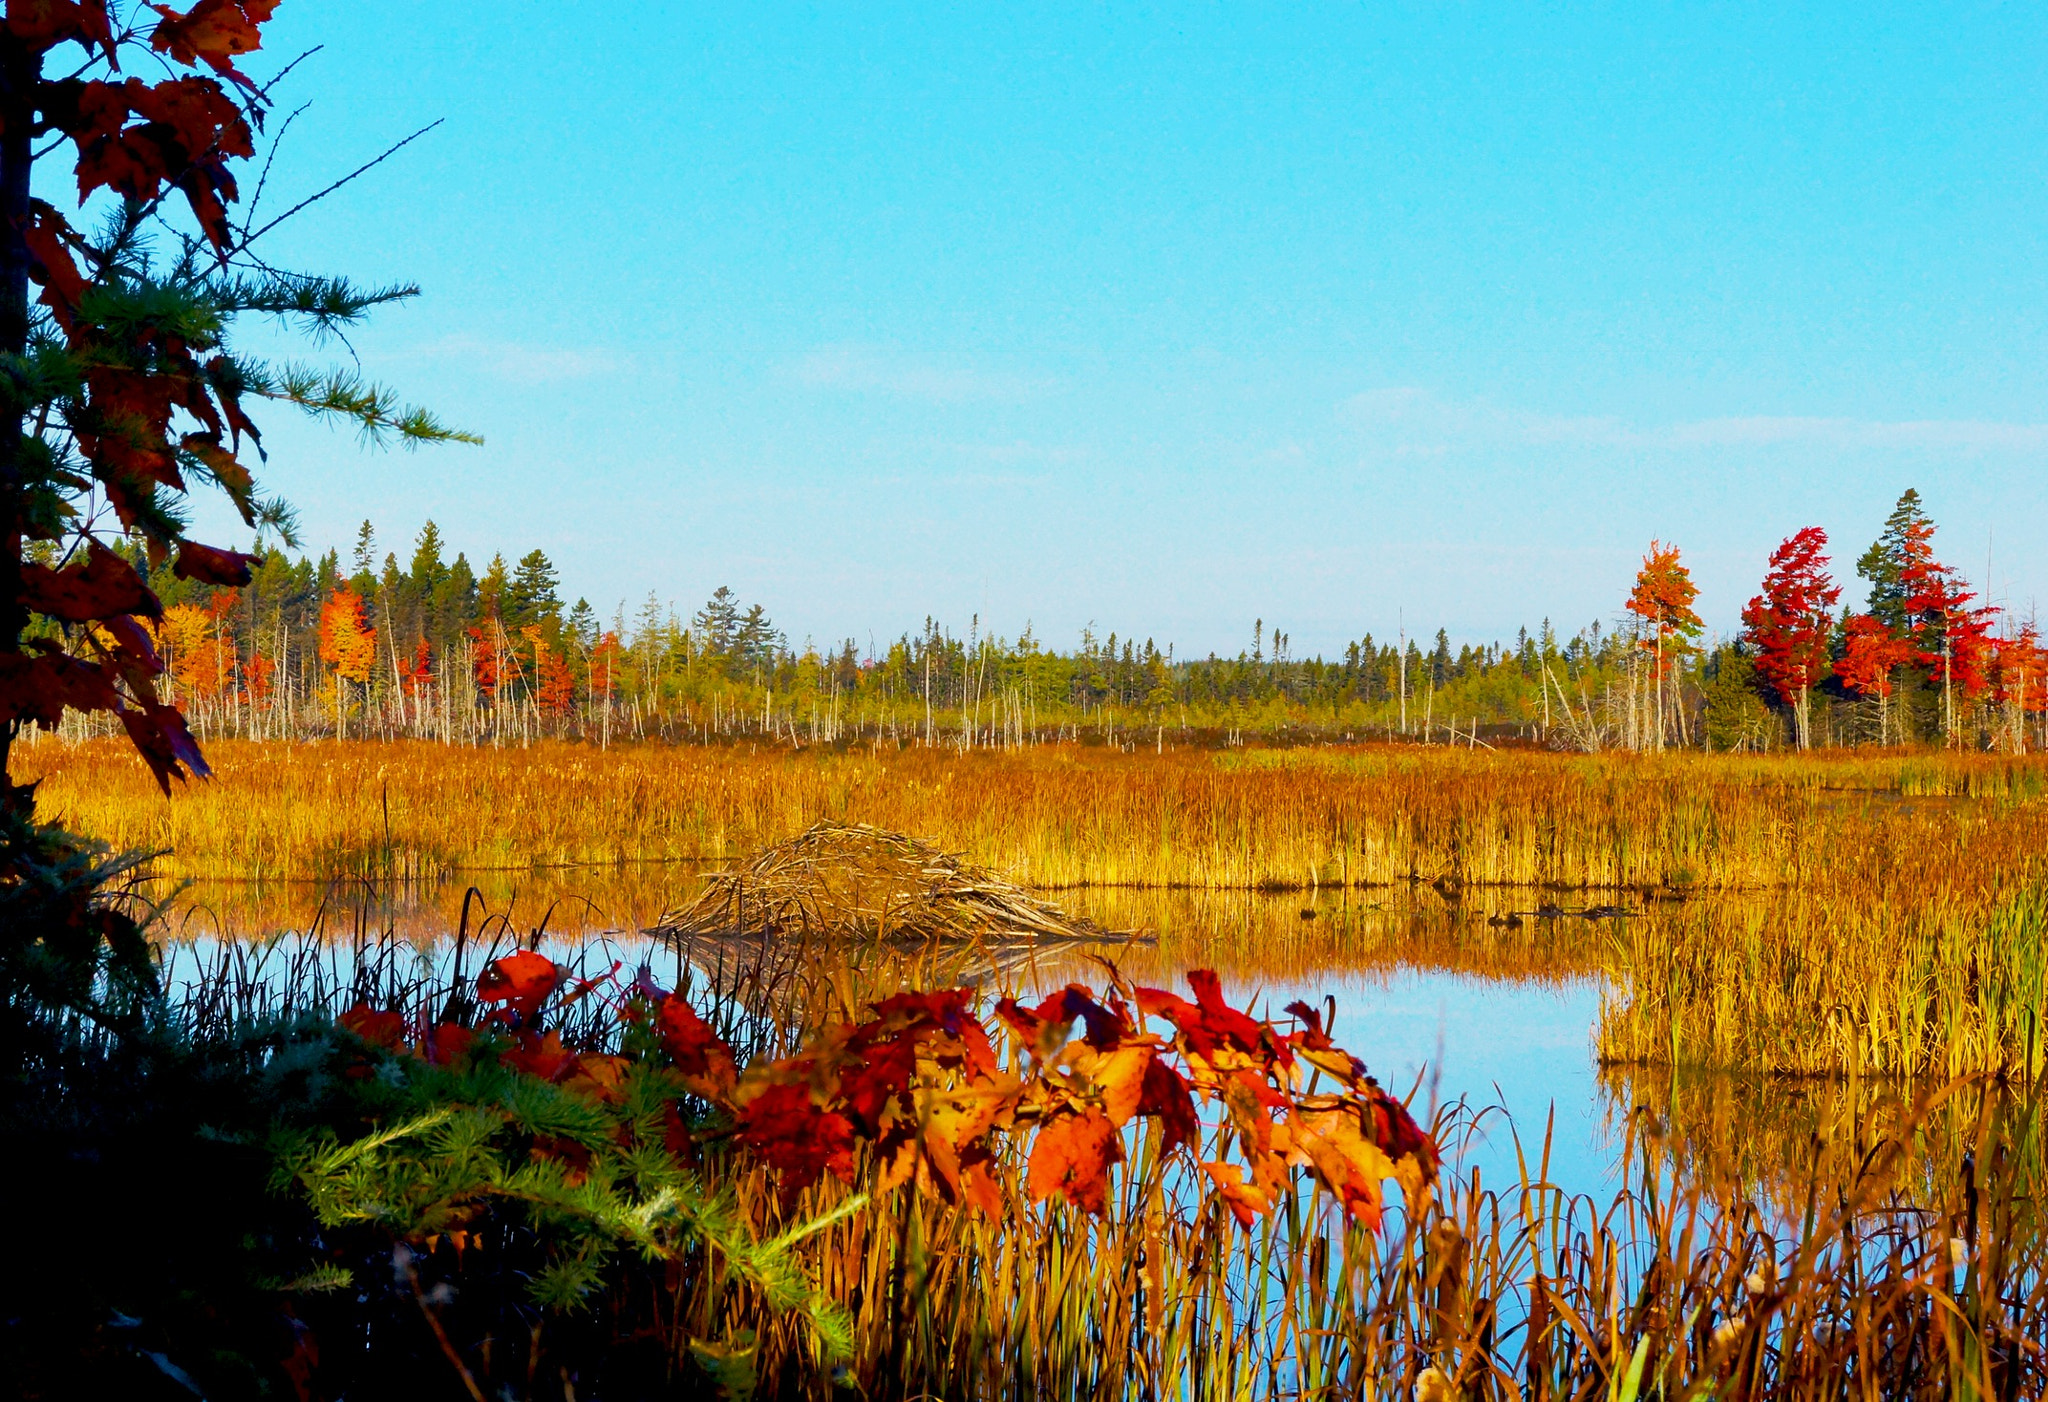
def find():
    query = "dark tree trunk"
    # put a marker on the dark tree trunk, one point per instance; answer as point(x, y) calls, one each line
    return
point(20, 74)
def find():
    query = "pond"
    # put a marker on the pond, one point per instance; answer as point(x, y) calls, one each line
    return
point(1449, 1001)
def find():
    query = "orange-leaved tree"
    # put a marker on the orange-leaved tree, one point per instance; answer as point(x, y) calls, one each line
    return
point(1663, 599)
point(554, 678)
point(120, 387)
point(195, 648)
point(348, 645)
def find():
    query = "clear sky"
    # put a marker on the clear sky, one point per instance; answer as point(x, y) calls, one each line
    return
point(1170, 318)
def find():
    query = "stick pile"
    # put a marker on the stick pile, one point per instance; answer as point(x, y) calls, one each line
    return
point(852, 882)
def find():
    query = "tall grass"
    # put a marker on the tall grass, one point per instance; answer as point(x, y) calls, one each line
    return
point(1066, 816)
point(1833, 984)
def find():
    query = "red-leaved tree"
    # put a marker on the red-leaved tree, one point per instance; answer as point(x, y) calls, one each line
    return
point(1870, 655)
point(1790, 622)
point(1951, 638)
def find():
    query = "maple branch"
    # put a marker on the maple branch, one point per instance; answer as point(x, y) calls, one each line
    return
point(368, 166)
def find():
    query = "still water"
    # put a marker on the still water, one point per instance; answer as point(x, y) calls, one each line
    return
point(1438, 1002)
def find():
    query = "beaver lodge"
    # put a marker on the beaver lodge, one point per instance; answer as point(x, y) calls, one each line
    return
point(847, 883)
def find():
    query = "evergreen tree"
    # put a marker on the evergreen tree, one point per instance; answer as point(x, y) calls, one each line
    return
point(363, 578)
point(583, 624)
point(455, 603)
point(717, 623)
point(1885, 561)
point(754, 640)
point(429, 574)
point(491, 591)
point(531, 598)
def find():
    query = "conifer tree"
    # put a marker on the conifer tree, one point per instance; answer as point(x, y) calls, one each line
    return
point(492, 590)
point(531, 597)
point(428, 573)
point(583, 624)
point(717, 623)
point(1884, 564)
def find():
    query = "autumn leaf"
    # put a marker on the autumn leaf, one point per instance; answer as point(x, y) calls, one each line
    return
point(160, 735)
point(535, 1055)
point(1247, 1201)
point(53, 266)
point(1349, 1163)
point(380, 1028)
point(1164, 1096)
point(596, 1076)
point(100, 586)
point(446, 1043)
point(1116, 1077)
point(215, 32)
point(1044, 1028)
point(704, 1061)
point(521, 981)
point(40, 689)
point(801, 1141)
point(226, 568)
point(1071, 1157)
point(48, 22)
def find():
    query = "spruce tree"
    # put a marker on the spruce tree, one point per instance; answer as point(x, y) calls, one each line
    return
point(531, 598)
point(583, 624)
point(454, 605)
point(1886, 559)
point(492, 589)
point(717, 623)
point(429, 573)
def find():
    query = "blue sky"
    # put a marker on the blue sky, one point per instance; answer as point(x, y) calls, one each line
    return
point(1172, 318)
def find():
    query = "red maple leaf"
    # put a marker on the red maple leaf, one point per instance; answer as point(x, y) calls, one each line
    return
point(521, 981)
point(704, 1060)
point(228, 569)
point(797, 1138)
point(380, 1028)
point(215, 32)
point(100, 586)
point(540, 1056)
point(1165, 1097)
point(1072, 1157)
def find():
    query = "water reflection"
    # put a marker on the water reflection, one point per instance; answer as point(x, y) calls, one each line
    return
point(1454, 999)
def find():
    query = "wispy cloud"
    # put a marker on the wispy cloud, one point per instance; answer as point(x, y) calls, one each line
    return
point(934, 379)
point(522, 363)
point(1964, 435)
point(1416, 422)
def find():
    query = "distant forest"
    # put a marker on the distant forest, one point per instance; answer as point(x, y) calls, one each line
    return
point(430, 647)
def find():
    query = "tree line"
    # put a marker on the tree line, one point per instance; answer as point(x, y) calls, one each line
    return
point(431, 646)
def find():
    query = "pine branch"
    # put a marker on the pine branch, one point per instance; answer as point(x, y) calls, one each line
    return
point(377, 412)
point(316, 306)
